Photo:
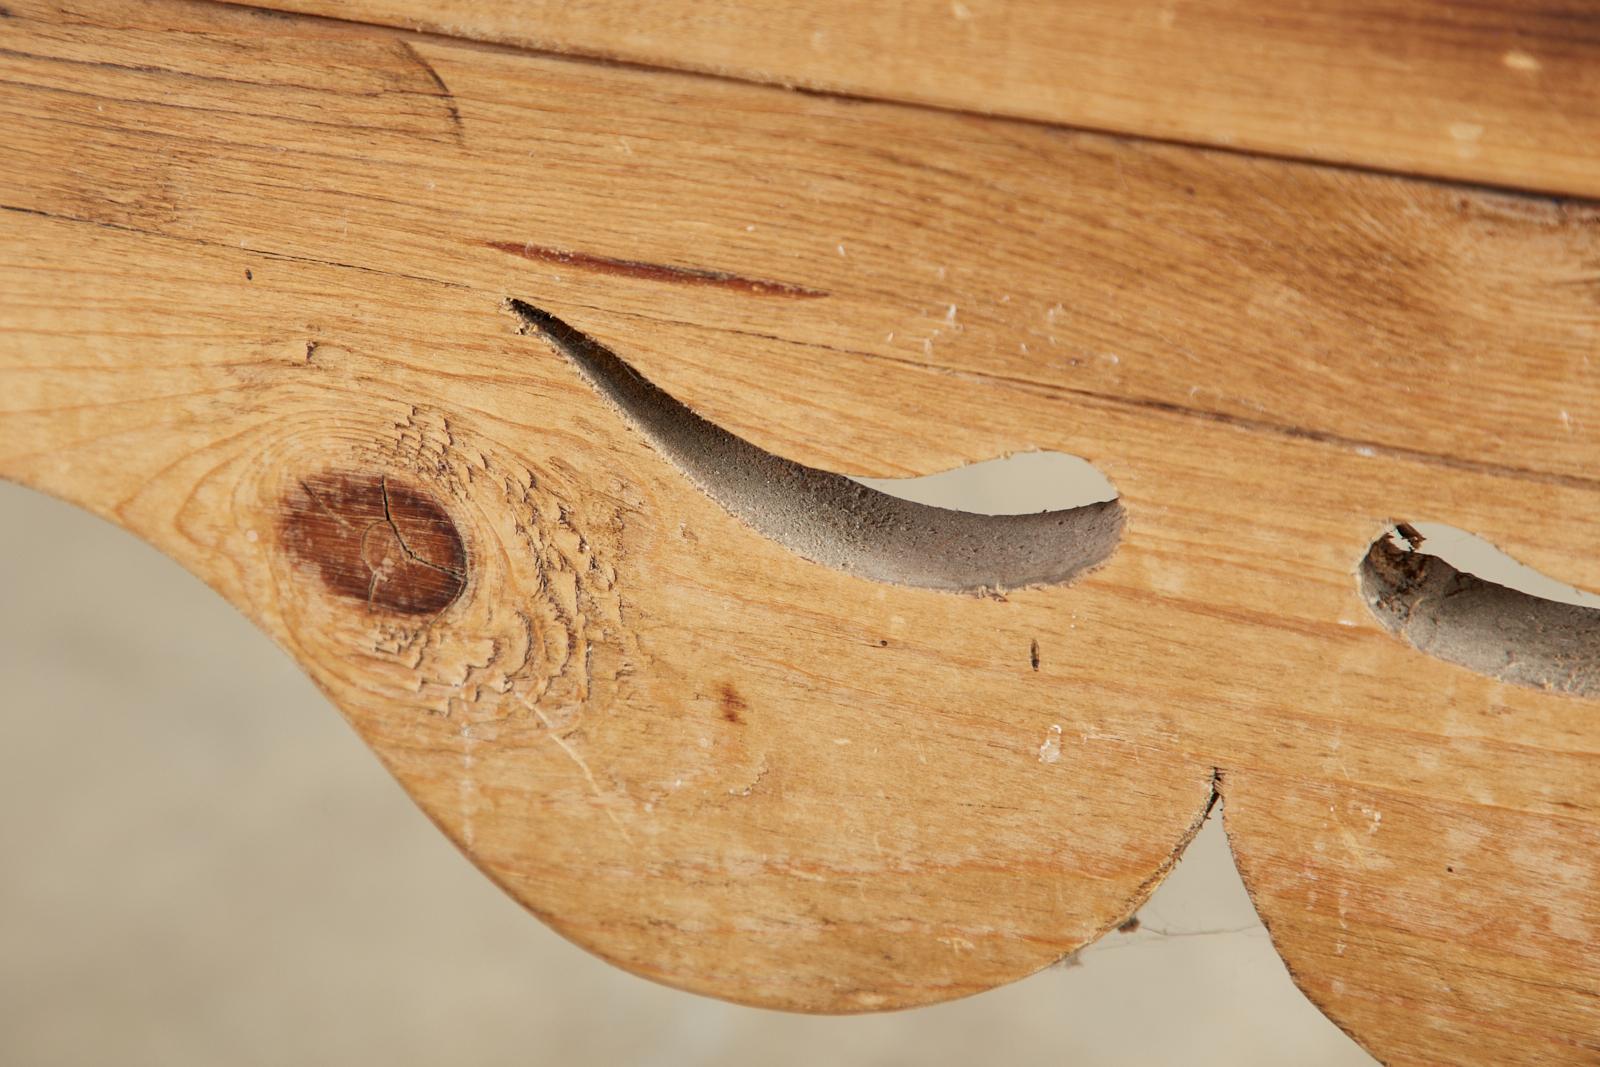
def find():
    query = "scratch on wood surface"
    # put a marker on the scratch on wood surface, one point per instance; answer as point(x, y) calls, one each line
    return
point(583, 765)
point(445, 95)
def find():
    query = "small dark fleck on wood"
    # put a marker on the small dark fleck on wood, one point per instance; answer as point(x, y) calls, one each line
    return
point(1033, 654)
point(249, 276)
point(733, 705)
point(1130, 926)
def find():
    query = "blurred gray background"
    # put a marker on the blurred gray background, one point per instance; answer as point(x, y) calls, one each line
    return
point(204, 865)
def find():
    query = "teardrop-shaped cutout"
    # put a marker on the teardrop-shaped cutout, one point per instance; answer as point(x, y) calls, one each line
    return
point(834, 520)
point(1549, 639)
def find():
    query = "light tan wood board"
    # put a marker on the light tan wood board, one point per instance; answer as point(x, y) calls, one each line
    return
point(1501, 92)
point(254, 272)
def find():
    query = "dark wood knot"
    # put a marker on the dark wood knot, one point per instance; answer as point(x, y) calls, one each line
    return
point(376, 539)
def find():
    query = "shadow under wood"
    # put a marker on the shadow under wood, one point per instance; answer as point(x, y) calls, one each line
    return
point(829, 518)
point(1461, 618)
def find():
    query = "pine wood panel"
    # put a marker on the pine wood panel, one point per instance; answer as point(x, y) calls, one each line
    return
point(254, 274)
point(1499, 92)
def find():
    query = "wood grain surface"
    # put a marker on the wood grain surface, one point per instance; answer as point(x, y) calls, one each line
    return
point(255, 274)
point(1497, 91)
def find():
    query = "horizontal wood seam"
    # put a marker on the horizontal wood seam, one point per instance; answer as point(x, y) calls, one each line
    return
point(603, 59)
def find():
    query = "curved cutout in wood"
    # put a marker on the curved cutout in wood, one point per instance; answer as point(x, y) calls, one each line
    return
point(1508, 634)
point(834, 520)
point(1017, 484)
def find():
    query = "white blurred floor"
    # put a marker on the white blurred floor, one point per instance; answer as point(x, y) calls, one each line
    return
point(203, 865)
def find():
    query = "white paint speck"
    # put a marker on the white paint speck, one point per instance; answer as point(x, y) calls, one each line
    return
point(1050, 751)
point(1366, 451)
point(841, 248)
point(1466, 135)
point(1517, 59)
point(252, 536)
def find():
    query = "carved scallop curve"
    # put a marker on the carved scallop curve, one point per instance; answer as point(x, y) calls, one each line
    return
point(1435, 880)
point(701, 757)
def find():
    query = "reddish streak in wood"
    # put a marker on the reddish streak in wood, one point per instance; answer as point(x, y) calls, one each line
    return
point(656, 272)
point(374, 539)
point(733, 705)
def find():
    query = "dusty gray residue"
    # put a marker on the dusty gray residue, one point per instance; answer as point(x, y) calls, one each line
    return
point(1463, 619)
point(830, 519)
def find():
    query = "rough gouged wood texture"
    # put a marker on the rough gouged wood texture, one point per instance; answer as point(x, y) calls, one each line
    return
point(254, 273)
point(1500, 91)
